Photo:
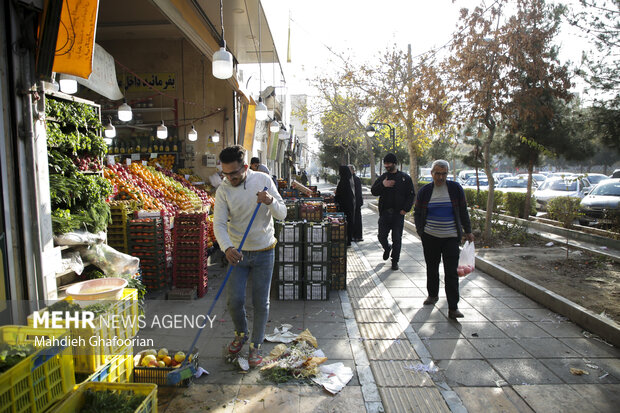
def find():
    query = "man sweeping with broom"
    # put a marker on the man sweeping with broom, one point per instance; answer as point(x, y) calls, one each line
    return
point(235, 201)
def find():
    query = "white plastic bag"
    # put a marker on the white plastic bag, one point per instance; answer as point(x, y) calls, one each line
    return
point(467, 259)
point(109, 260)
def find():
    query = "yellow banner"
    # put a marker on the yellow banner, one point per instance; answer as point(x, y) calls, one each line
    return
point(250, 125)
point(163, 81)
point(76, 38)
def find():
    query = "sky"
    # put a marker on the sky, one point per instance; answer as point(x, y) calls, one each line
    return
point(361, 30)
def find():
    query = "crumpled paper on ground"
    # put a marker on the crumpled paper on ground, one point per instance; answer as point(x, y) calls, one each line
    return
point(308, 337)
point(200, 372)
point(281, 335)
point(333, 377)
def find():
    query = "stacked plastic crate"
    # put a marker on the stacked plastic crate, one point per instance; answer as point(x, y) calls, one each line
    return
point(288, 268)
point(317, 254)
point(147, 242)
point(117, 231)
point(338, 243)
point(189, 268)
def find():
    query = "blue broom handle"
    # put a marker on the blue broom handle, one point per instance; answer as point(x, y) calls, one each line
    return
point(219, 292)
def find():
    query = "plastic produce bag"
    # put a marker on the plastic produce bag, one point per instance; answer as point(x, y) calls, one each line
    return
point(80, 237)
point(72, 261)
point(109, 260)
point(467, 259)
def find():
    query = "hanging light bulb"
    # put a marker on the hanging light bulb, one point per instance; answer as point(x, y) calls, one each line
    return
point(192, 135)
point(110, 130)
point(124, 112)
point(274, 126)
point(222, 63)
point(261, 110)
point(68, 84)
point(162, 131)
point(222, 59)
point(215, 137)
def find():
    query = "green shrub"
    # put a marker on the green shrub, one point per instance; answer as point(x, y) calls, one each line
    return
point(479, 199)
point(514, 204)
point(367, 181)
point(564, 209)
point(333, 179)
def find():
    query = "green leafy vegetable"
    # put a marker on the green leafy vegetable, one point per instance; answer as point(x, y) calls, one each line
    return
point(111, 401)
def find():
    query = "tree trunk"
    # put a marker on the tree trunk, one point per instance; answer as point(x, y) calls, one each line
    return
point(413, 162)
point(487, 168)
point(528, 193)
point(373, 174)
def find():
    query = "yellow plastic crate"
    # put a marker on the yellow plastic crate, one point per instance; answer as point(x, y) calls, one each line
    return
point(74, 402)
point(117, 370)
point(39, 380)
point(88, 359)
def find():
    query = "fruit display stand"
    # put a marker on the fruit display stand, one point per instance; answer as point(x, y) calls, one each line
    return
point(159, 375)
point(121, 212)
point(191, 250)
point(40, 379)
point(147, 242)
point(87, 359)
point(77, 399)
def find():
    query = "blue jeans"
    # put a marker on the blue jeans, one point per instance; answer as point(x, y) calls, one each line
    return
point(259, 266)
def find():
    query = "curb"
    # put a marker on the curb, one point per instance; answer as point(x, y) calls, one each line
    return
point(605, 328)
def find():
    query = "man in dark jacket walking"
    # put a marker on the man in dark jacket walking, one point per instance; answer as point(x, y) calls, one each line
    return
point(396, 196)
point(359, 201)
point(441, 220)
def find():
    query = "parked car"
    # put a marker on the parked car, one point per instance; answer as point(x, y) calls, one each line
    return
point(595, 179)
point(515, 185)
point(468, 173)
point(498, 176)
point(555, 187)
point(425, 179)
point(562, 175)
point(471, 183)
point(601, 200)
point(539, 178)
point(616, 174)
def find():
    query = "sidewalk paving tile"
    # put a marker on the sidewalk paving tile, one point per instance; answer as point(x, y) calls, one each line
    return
point(322, 330)
point(469, 373)
point(478, 329)
point(424, 315)
point(410, 302)
point(546, 347)
point(525, 371)
point(399, 373)
point(436, 330)
point(473, 292)
point(492, 400)
point(603, 397)
point(443, 302)
point(252, 398)
point(390, 350)
point(561, 329)
point(519, 302)
point(198, 398)
point(398, 282)
point(554, 398)
point(521, 329)
point(500, 314)
point(425, 399)
point(407, 292)
point(363, 291)
point(376, 331)
point(540, 315)
point(589, 347)
point(368, 302)
point(479, 302)
point(445, 349)
point(496, 348)
point(316, 400)
point(379, 315)
point(561, 368)
point(470, 314)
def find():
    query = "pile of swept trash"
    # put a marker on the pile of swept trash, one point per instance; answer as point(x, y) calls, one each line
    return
point(299, 358)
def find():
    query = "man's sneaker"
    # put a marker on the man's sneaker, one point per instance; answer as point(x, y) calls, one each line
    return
point(255, 358)
point(237, 344)
point(386, 253)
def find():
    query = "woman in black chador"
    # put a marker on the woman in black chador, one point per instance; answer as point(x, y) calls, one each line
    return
point(345, 197)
